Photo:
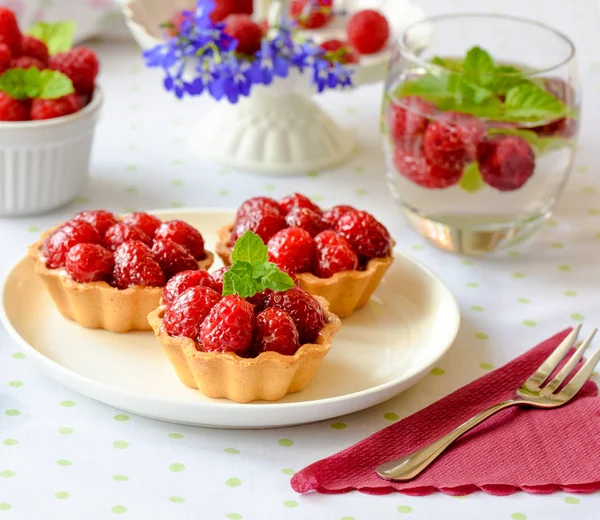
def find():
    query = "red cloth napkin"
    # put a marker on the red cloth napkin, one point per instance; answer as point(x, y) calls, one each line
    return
point(537, 451)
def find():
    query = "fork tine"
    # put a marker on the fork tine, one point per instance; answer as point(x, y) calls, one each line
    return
point(553, 385)
point(579, 379)
point(547, 367)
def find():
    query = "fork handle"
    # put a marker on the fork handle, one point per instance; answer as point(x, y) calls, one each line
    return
point(408, 467)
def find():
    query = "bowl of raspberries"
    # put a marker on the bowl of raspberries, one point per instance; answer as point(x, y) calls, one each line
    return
point(49, 106)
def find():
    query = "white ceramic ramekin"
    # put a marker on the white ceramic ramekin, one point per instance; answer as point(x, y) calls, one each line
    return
point(44, 164)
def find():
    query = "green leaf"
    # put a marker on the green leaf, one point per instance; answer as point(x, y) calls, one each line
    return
point(471, 180)
point(239, 280)
point(453, 64)
point(250, 248)
point(12, 82)
point(32, 79)
point(530, 102)
point(57, 36)
point(275, 279)
point(54, 84)
point(478, 61)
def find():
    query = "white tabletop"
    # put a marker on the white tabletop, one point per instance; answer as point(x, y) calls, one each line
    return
point(66, 456)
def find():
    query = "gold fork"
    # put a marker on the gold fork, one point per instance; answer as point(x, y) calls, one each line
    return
point(532, 393)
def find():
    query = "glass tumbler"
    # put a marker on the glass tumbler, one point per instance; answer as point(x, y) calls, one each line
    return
point(479, 121)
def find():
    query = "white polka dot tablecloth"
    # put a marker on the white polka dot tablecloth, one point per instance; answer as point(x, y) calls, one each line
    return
point(64, 456)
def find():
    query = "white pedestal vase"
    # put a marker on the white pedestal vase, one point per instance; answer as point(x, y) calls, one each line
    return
point(278, 130)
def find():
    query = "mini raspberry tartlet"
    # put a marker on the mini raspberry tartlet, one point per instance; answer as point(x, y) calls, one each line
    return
point(340, 254)
point(247, 333)
point(105, 272)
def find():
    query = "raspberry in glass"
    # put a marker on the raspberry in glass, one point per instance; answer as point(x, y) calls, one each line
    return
point(424, 173)
point(506, 162)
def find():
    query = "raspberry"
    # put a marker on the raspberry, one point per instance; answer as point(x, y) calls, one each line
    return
point(420, 171)
point(333, 259)
point(408, 122)
point(331, 216)
point(134, 265)
point(143, 221)
point(183, 281)
point(89, 263)
point(264, 222)
point(81, 65)
point(51, 108)
point(217, 277)
point(10, 34)
point(35, 48)
point(5, 57)
point(311, 14)
point(306, 312)
point(25, 62)
point(368, 237)
point(565, 128)
point(99, 218)
point(12, 109)
point(121, 232)
point(188, 312)
point(305, 218)
point(276, 332)
point(293, 249)
point(368, 31)
point(506, 162)
point(226, 7)
point(257, 204)
point(339, 51)
point(57, 245)
point(259, 300)
point(229, 327)
point(172, 257)
point(297, 200)
point(183, 234)
point(247, 32)
point(331, 238)
point(451, 140)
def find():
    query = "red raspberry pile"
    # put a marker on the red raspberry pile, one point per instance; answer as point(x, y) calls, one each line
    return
point(139, 250)
point(432, 148)
point(267, 322)
point(302, 238)
point(18, 51)
point(311, 14)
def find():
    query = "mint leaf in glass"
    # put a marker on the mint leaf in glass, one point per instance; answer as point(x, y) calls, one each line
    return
point(477, 61)
point(58, 36)
point(471, 180)
point(530, 102)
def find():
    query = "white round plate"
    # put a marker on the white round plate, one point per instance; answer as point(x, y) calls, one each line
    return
point(380, 351)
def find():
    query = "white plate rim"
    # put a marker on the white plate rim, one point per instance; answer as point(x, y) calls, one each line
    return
point(52, 367)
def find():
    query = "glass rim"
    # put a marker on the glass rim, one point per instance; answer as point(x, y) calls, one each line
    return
point(406, 51)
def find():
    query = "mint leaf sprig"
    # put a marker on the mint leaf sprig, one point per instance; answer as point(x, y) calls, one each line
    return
point(251, 271)
point(476, 85)
point(58, 36)
point(33, 83)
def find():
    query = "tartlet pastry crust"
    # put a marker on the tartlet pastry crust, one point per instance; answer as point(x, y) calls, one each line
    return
point(268, 377)
point(346, 291)
point(98, 305)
